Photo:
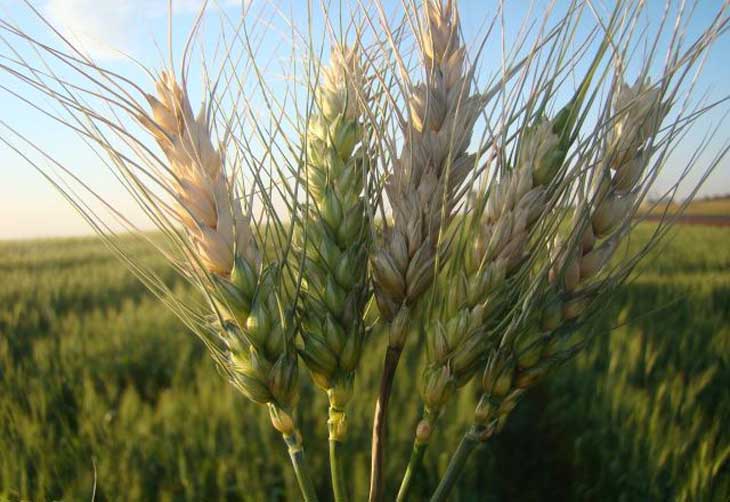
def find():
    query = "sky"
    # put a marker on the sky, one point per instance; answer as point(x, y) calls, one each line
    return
point(30, 207)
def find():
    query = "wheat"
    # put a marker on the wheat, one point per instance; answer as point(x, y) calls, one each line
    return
point(456, 338)
point(203, 191)
point(487, 280)
point(638, 112)
point(261, 360)
point(335, 239)
point(433, 164)
point(335, 232)
point(472, 296)
point(422, 188)
point(540, 337)
point(471, 292)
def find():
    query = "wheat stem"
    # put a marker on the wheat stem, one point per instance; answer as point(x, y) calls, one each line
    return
point(339, 489)
point(392, 356)
point(469, 442)
point(301, 469)
point(419, 449)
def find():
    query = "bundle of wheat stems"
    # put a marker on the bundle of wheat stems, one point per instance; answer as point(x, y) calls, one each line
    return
point(412, 195)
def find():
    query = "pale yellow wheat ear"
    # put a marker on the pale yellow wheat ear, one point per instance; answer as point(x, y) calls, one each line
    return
point(433, 163)
point(208, 192)
point(207, 205)
point(494, 248)
point(637, 115)
point(422, 187)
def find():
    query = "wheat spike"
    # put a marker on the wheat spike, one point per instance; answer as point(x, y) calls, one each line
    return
point(204, 194)
point(638, 112)
point(334, 234)
point(432, 164)
point(422, 190)
point(260, 358)
point(470, 291)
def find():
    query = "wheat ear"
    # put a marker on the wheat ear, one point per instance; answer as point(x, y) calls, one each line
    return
point(433, 164)
point(470, 293)
point(518, 363)
point(638, 113)
point(422, 192)
point(335, 240)
point(471, 296)
point(261, 360)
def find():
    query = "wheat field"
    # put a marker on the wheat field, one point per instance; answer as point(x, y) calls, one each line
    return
point(102, 390)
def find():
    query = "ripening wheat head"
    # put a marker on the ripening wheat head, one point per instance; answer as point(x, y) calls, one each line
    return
point(260, 358)
point(475, 293)
point(638, 112)
point(624, 160)
point(423, 182)
point(495, 247)
point(206, 205)
point(343, 87)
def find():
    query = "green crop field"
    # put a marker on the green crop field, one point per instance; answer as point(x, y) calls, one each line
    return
point(101, 388)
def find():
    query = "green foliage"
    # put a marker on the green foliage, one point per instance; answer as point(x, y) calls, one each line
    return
point(95, 375)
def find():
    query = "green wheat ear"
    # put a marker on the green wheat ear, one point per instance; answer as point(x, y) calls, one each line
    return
point(334, 234)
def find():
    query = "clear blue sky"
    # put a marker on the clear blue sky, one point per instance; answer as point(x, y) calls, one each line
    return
point(30, 207)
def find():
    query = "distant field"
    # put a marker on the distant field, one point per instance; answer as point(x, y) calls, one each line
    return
point(98, 379)
point(710, 207)
point(715, 212)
